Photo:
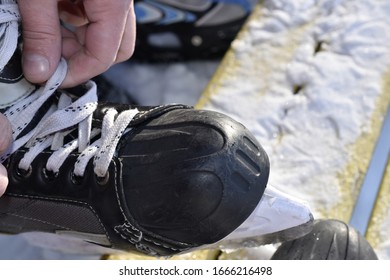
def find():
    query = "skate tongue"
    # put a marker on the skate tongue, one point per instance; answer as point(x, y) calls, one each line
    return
point(13, 85)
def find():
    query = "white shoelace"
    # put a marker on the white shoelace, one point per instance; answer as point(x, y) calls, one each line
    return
point(62, 118)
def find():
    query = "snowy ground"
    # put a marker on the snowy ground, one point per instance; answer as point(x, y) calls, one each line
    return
point(163, 83)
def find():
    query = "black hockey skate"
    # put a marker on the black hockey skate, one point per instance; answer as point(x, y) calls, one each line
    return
point(156, 180)
point(194, 29)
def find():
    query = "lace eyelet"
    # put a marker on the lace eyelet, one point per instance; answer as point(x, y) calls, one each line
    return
point(103, 180)
point(49, 175)
point(24, 173)
point(76, 180)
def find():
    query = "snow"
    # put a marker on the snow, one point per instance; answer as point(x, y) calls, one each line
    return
point(309, 79)
point(163, 83)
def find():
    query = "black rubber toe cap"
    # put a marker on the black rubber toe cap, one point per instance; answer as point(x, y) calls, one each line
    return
point(191, 176)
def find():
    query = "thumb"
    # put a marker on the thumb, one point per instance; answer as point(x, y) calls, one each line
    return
point(3, 179)
point(5, 140)
point(41, 38)
point(6, 133)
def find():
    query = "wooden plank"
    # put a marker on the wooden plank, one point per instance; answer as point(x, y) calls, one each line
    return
point(244, 69)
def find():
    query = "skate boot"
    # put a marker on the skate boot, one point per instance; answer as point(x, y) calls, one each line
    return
point(154, 180)
point(329, 240)
point(193, 29)
point(107, 91)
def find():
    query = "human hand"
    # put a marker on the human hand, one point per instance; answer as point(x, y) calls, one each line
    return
point(5, 140)
point(103, 34)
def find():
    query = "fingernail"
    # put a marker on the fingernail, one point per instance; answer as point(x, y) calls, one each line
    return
point(36, 67)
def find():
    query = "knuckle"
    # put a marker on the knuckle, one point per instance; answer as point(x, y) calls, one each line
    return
point(102, 64)
point(43, 26)
point(46, 34)
point(125, 54)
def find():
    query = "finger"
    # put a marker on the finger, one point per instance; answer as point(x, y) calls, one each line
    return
point(103, 36)
point(70, 43)
point(6, 133)
point(3, 179)
point(127, 46)
point(41, 38)
point(5, 140)
point(72, 12)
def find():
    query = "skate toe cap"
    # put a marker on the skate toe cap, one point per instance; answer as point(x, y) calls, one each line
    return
point(192, 176)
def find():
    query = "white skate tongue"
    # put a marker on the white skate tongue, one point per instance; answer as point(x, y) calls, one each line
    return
point(10, 93)
point(13, 85)
point(277, 217)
